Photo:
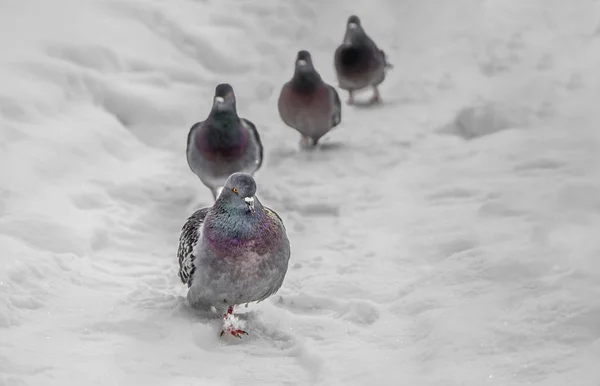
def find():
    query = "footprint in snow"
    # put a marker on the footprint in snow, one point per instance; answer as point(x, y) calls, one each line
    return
point(259, 330)
point(450, 195)
point(355, 311)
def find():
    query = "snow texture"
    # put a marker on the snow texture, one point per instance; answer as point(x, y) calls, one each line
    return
point(449, 236)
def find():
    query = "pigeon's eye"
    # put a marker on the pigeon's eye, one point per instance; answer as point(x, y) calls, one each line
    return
point(235, 190)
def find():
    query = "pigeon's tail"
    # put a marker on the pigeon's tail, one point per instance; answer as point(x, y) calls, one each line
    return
point(385, 60)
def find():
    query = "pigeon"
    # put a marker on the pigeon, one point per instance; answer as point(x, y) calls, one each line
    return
point(224, 143)
point(233, 253)
point(308, 104)
point(358, 62)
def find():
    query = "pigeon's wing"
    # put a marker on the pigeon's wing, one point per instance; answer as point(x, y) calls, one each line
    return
point(187, 241)
point(272, 214)
point(284, 103)
point(385, 60)
point(337, 58)
point(337, 110)
point(270, 290)
point(376, 51)
point(276, 284)
point(189, 138)
point(256, 136)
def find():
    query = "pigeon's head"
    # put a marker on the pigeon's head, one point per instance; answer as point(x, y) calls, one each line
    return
point(305, 75)
point(303, 58)
point(238, 192)
point(354, 31)
point(353, 22)
point(304, 61)
point(224, 99)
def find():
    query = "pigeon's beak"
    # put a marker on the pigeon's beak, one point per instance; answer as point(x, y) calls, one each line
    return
point(250, 202)
point(223, 103)
point(218, 103)
point(301, 63)
point(352, 25)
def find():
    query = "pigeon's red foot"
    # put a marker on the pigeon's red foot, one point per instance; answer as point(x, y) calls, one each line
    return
point(376, 96)
point(304, 141)
point(350, 98)
point(235, 332)
point(231, 325)
point(307, 143)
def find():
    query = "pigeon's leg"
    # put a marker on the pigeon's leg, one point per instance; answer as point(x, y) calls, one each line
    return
point(350, 97)
point(307, 142)
point(230, 324)
point(376, 96)
point(304, 141)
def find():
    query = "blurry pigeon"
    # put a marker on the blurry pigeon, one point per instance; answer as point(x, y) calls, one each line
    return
point(233, 253)
point(224, 143)
point(358, 61)
point(308, 104)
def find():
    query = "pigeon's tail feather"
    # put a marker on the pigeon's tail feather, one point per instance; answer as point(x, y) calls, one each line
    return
point(385, 60)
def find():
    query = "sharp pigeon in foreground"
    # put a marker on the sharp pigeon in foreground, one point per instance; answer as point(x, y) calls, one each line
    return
point(224, 143)
point(233, 253)
point(358, 61)
point(308, 104)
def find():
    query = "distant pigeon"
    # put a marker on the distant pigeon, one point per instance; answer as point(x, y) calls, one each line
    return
point(233, 253)
point(358, 61)
point(308, 104)
point(224, 143)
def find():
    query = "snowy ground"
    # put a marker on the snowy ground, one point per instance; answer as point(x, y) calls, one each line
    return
point(448, 237)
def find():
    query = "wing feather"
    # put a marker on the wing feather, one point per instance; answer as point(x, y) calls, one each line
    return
point(256, 136)
point(337, 112)
point(187, 241)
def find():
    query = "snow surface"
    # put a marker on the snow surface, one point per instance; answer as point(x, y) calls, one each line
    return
point(446, 237)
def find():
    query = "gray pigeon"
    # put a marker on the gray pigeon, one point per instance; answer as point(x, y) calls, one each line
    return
point(358, 61)
point(308, 104)
point(224, 143)
point(233, 253)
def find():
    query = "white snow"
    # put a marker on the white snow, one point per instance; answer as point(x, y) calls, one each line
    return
point(447, 237)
